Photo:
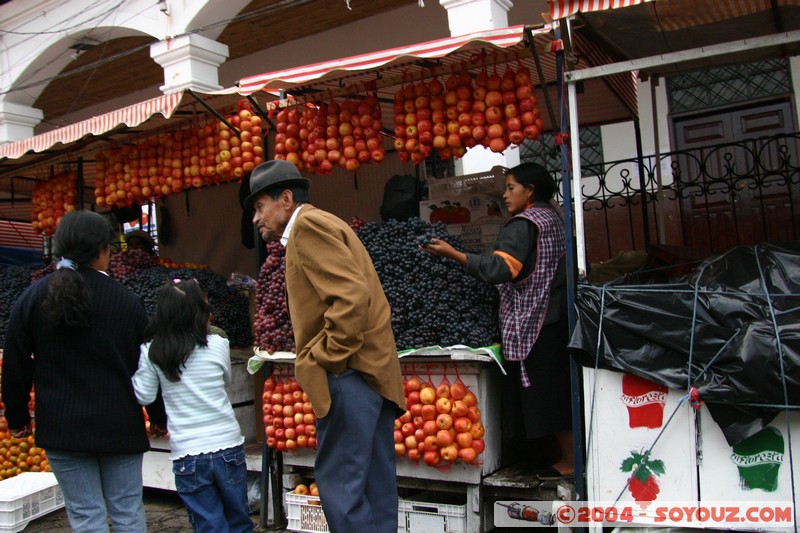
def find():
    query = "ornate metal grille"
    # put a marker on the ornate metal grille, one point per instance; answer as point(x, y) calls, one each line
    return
point(545, 152)
point(723, 86)
point(749, 189)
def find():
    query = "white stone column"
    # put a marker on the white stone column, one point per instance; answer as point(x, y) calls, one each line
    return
point(468, 16)
point(17, 121)
point(190, 62)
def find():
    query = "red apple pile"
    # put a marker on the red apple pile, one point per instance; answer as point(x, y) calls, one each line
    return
point(442, 424)
point(315, 138)
point(493, 111)
point(289, 420)
point(167, 163)
point(239, 155)
point(51, 200)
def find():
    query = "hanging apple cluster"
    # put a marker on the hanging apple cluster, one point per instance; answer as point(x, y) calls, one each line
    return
point(315, 138)
point(495, 112)
point(51, 200)
point(289, 420)
point(168, 163)
point(442, 423)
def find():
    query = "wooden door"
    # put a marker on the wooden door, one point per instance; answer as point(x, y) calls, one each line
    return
point(738, 177)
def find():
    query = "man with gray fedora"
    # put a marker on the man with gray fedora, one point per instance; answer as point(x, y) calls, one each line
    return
point(346, 355)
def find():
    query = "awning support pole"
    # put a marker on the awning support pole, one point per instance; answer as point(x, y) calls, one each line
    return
point(542, 81)
point(212, 111)
point(575, 370)
point(260, 111)
point(642, 184)
point(577, 193)
point(80, 183)
point(659, 203)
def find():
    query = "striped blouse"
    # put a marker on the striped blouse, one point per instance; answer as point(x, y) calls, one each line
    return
point(200, 417)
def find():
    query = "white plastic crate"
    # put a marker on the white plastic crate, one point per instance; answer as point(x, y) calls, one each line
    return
point(490, 182)
point(27, 496)
point(425, 517)
point(304, 513)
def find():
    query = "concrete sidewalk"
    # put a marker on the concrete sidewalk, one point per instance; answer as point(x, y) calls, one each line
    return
point(165, 514)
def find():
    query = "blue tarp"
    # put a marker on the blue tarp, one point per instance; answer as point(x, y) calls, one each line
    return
point(20, 256)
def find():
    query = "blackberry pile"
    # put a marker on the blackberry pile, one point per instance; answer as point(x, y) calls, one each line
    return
point(229, 307)
point(433, 301)
point(13, 280)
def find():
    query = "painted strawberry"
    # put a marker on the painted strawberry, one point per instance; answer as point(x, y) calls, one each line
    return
point(642, 484)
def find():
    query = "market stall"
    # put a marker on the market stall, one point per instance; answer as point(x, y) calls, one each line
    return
point(404, 84)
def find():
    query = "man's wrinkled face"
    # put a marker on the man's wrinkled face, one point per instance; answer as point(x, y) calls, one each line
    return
point(271, 216)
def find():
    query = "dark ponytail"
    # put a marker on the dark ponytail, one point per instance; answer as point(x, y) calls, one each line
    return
point(78, 241)
point(179, 325)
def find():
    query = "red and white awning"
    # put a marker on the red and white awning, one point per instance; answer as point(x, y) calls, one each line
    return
point(676, 14)
point(283, 79)
point(564, 8)
point(131, 116)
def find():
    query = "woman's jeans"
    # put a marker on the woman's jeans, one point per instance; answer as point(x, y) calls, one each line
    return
point(96, 485)
point(213, 486)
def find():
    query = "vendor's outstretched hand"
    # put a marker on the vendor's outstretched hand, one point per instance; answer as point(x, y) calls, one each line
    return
point(439, 247)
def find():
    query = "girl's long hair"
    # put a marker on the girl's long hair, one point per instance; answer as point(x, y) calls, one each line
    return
point(80, 237)
point(178, 327)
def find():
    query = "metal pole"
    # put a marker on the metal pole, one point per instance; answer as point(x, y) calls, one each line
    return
point(80, 183)
point(577, 193)
point(662, 238)
point(642, 185)
point(575, 371)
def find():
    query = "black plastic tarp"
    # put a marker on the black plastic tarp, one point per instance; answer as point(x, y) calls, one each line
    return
point(731, 329)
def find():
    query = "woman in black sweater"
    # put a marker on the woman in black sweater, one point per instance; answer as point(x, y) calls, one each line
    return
point(74, 336)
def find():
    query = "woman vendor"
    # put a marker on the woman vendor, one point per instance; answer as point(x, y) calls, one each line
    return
point(528, 268)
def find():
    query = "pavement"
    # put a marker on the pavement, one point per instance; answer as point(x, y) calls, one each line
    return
point(165, 514)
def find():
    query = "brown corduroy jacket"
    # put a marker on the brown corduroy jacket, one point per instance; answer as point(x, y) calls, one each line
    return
point(340, 314)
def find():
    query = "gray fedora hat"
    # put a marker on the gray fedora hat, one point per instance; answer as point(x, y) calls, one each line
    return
point(270, 175)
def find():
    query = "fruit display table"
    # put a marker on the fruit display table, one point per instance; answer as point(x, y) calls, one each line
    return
point(482, 376)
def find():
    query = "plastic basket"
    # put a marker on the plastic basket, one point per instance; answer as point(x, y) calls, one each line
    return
point(491, 182)
point(28, 496)
point(415, 516)
point(304, 513)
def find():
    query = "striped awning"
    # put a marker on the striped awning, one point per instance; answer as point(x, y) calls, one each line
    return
point(284, 79)
point(564, 8)
point(674, 14)
point(19, 235)
point(130, 116)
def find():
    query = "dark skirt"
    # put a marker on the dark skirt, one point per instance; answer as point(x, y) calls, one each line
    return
point(544, 407)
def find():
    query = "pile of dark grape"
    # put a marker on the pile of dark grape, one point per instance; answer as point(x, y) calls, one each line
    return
point(273, 329)
point(13, 280)
point(122, 265)
point(433, 301)
point(229, 307)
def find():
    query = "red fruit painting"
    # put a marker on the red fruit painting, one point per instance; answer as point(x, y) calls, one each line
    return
point(644, 400)
point(643, 482)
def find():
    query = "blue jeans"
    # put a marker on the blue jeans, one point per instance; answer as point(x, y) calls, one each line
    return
point(213, 486)
point(94, 485)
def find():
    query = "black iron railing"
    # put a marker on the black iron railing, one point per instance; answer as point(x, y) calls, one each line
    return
point(710, 199)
